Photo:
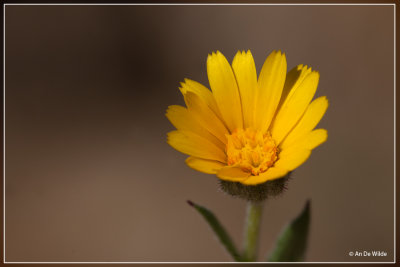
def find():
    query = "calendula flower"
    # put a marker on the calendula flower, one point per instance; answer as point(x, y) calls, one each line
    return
point(245, 129)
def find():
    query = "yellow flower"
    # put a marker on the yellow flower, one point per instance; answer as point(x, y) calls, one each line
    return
point(247, 130)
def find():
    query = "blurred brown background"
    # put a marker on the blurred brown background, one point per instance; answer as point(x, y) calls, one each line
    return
point(89, 176)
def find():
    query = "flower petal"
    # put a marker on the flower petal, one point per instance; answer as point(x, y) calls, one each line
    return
point(203, 165)
point(270, 174)
point(205, 116)
point(181, 118)
point(225, 90)
point(295, 75)
point(310, 140)
point(194, 145)
point(233, 174)
point(291, 159)
point(315, 138)
point(203, 92)
point(314, 113)
point(295, 155)
point(246, 76)
point(294, 106)
point(270, 85)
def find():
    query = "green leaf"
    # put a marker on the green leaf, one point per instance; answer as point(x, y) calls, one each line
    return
point(218, 230)
point(292, 243)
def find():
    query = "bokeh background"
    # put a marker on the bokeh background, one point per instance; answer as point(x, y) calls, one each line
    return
point(90, 177)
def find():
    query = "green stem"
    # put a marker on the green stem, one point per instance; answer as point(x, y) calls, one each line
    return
point(253, 220)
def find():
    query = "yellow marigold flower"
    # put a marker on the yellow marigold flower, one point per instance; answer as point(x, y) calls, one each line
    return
point(247, 130)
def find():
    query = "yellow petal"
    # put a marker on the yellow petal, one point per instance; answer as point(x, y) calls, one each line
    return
point(203, 165)
point(225, 90)
point(270, 85)
point(309, 141)
point(203, 92)
point(315, 138)
point(246, 76)
point(313, 114)
point(270, 174)
point(233, 174)
point(194, 145)
point(293, 77)
point(291, 159)
point(205, 116)
point(183, 120)
point(294, 106)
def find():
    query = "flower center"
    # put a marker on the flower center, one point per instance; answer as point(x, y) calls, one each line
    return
point(251, 150)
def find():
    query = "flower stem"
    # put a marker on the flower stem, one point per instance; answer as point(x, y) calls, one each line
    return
point(252, 229)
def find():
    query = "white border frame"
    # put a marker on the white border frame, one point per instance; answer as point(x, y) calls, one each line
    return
point(195, 4)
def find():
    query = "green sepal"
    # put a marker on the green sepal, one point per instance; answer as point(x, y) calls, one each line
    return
point(218, 229)
point(292, 243)
point(255, 193)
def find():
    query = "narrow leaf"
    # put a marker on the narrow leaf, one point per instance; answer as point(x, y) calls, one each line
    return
point(218, 230)
point(292, 243)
